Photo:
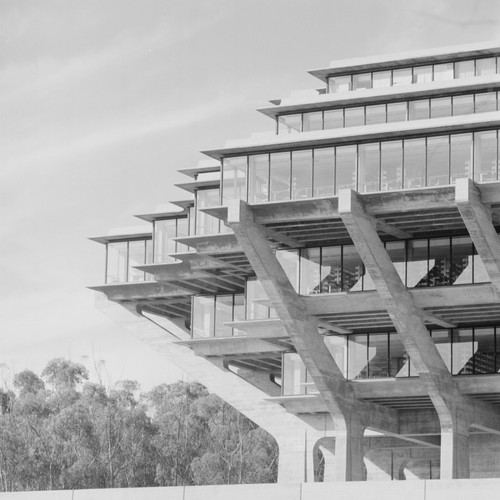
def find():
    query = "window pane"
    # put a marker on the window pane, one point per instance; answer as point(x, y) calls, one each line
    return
point(402, 76)
point(257, 301)
point(352, 270)
point(358, 357)
point(331, 269)
point(375, 114)
point(258, 178)
point(438, 156)
point(461, 260)
point(164, 232)
point(206, 224)
point(399, 362)
point(485, 156)
point(422, 74)
point(324, 168)
point(463, 352)
point(443, 72)
point(345, 159)
point(136, 257)
point(203, 316)
point(442, 340)
point(392, 165)
point(464, 69)
point(280, 176)
point(182, 230)
point(463, 105)
point(338, 84)
point(223, 314)
point(486, 66)
point(381, 79)
point(337, 346)
point(414, 163)
point(294, 375)
point(354, 117)
point(234, 179)
point(289, 124)
point(397, 253)
point(192, 218)
point(480, 273)
point(461, 156)
point(439, 262)
point(333, 118)
point(310, 271)
point(486, 102)
point(416, 267)
point(313, 121)
point(239, 312)
point(396, 112)
point(302, 174)
point(484, 350)
point(419, 110)
point(378, 355)
point(440, 107)
point(369, 167)
point(362, 81)
point(116, 269)
point(289, 260)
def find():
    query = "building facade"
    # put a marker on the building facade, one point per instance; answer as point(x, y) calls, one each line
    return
point(338, 280)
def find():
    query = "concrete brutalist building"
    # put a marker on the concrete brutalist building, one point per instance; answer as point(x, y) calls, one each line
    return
point(338, 281)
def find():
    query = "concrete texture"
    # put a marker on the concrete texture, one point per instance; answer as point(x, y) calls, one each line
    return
point(462, 489)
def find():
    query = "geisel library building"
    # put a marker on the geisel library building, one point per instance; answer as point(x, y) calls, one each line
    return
point(338, 280)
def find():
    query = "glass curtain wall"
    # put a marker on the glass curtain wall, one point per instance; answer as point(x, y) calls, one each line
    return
point(211, 313)
point(465, 351)
point(164, 233)
point(123, 256)
point(373, 114)
point(419, 263)
point(366, 167)
point(415, 74)
point(206, 224)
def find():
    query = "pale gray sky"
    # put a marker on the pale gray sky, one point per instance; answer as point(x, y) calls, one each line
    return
point(101, 101)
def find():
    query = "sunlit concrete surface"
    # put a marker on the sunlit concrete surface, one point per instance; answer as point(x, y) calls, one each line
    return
point(458, 489)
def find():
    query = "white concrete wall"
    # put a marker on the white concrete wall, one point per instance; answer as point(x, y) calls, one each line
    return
point(458, 489)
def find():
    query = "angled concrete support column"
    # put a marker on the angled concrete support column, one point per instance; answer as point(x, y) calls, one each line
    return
point(454, 412)
point(290, 432)
point(350, 416)
point(477, 219)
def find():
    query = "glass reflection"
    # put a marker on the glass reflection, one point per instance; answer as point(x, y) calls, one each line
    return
point(116, 266)
point(234, 179)
point(258, 178)
point(369, 167)
point(302, 177)
point(280, 176)
point(324, 171)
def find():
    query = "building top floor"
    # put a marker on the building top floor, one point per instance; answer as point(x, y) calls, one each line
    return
point(396, 61)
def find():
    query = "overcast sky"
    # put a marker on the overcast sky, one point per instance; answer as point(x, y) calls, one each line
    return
point(102, 101)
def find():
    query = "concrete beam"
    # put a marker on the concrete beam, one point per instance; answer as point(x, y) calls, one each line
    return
point(477, 218)
point(349, 415)
point(393, 231)
point(291, 432)
point(453, 410)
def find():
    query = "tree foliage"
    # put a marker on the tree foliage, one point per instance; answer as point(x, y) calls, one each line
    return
point(76, 434)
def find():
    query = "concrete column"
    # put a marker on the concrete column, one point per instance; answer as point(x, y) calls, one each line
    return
point(453, 411)
point(289, 430)
point(350, 416)
point(477, 218)
point(349, 452)
point(455, 452)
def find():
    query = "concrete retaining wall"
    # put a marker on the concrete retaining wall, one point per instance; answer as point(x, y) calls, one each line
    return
point(459, 489)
